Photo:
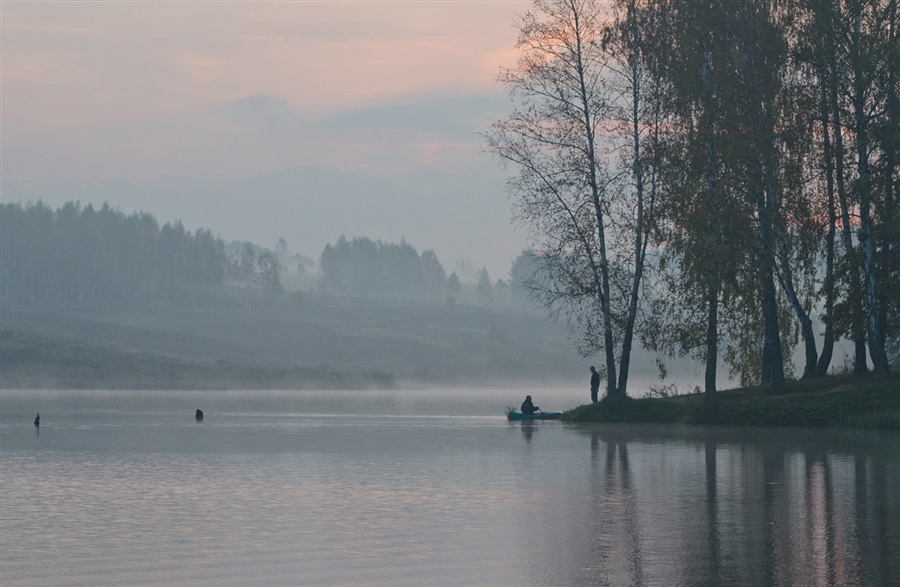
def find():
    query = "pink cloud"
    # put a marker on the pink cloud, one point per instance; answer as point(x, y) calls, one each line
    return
point(322, 57)
point(124, 90)
point(201, 68)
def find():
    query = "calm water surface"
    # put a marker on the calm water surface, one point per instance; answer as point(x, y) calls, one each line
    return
point(409, 488)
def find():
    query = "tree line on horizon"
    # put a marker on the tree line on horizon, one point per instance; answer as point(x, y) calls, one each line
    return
point(707, 178)
point(84, 255)
point(87, 255)
point(362, 267)
point(365, 268)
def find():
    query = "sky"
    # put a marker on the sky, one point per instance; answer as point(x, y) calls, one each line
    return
point(267, 120)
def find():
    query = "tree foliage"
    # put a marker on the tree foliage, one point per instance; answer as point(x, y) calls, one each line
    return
point(755, 141)
point(581, 144)
point(255, 267)
point(364, 268)
point(84, 255)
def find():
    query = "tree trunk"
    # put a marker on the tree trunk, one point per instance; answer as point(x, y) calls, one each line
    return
point(773, 364)
point(588, 122)
point(806, 330)
point(641, 236)
point(866, 232)
point(855, 298)
point(890, 222)
point(712, 331)
point(828, 318)
point(772, 359)
point(713, 278)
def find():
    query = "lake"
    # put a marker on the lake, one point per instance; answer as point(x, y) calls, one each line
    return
point(428, 488)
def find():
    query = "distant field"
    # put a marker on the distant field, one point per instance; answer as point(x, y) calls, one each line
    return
point(278, 343)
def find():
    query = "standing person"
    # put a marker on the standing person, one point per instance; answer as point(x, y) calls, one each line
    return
point(595, 384)
point(528, 407)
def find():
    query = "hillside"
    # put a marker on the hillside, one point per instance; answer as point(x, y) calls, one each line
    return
point(312, 341)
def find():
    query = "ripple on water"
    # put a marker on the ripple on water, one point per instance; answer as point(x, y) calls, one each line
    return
point(287, 498)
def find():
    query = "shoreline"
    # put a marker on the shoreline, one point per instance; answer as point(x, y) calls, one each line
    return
point(844, 401)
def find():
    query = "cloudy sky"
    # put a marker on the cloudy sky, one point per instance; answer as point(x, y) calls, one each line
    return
point(260, 120)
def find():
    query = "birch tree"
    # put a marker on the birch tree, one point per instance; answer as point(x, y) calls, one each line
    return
point(639, 117)
point(578, 177)
point(703, 229)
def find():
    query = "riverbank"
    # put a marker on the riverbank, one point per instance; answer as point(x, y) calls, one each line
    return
point(870, 401)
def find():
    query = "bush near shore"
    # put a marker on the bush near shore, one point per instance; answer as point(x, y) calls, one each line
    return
point(871, 401)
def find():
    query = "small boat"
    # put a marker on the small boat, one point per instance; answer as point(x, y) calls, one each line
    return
point(535, 416)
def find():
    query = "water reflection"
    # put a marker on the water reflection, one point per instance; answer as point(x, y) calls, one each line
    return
point(611, 477)
point(724, 507)
point(527, 430)
point(292, 491)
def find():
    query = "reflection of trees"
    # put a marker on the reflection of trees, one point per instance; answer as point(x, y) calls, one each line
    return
point(712, 510)
point(821, 516)
point(772, 553)
point(612, 492)
point(877, 525)
point(736, 507)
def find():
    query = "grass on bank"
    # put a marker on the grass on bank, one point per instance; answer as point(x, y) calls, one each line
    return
point(870, 401)
point(31, 361)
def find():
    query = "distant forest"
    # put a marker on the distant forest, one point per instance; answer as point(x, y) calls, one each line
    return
point(362, 267)
point(85, 255)
point(93, 298)
point(78, 254)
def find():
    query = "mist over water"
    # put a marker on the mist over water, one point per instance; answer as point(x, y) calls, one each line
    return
point(427, 488)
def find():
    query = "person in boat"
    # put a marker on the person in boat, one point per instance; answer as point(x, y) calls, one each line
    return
point(595, 384)
point(528, 407)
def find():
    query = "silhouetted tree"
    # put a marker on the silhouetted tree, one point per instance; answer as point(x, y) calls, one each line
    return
point(366, 268)
point(523, 270)
point(484, 289)
point(453, 284)
point(434, 274)
point(269, 272)
point(582, 144)
point(84, 255)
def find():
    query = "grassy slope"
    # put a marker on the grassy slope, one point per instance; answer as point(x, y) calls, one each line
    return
point(319, 342)
point(866, 402)
point(33, 361)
